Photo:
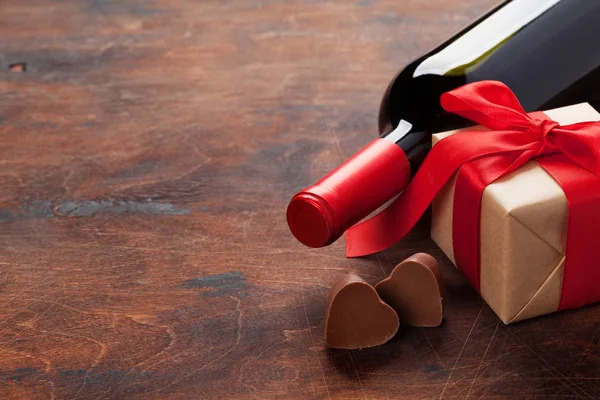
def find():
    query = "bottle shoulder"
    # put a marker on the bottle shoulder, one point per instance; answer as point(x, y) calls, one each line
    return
point(385, 122)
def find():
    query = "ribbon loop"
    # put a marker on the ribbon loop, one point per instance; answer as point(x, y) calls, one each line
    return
point(488, 103)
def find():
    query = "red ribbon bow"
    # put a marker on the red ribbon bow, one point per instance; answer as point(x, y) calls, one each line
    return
point(570, 154)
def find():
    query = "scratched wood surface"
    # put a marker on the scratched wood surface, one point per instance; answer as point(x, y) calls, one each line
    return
point(147, 153)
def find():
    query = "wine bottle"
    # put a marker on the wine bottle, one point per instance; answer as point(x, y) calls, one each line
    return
point(544, 50)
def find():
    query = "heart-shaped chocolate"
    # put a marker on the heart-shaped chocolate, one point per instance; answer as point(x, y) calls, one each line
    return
point(356, 316)
point(413, 290)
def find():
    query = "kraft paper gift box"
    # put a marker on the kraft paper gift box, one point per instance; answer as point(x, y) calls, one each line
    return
point(523, 230)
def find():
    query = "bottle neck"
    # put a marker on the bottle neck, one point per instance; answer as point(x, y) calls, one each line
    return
point(414, 143)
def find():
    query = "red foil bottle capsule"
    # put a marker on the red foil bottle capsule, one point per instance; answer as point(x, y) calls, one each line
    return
point(319, 214)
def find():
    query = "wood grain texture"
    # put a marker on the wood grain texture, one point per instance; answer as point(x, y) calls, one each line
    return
point(148, 150)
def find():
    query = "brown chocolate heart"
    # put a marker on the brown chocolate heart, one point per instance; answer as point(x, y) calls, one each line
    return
point(356, 316)
point(413, 290)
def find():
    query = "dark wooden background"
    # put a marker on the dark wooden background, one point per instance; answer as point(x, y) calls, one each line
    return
point(147, 154)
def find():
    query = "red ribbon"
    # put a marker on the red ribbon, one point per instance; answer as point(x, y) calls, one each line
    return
point(570, 154)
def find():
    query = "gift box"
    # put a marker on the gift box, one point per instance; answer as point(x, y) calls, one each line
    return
point(516, 202)
point(523, 227)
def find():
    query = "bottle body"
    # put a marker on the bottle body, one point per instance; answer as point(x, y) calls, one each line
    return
point(544, 50)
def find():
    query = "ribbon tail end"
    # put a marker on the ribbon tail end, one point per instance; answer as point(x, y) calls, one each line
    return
point(357, 246)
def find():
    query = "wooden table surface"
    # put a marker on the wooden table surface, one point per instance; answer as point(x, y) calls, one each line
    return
point(147, 154)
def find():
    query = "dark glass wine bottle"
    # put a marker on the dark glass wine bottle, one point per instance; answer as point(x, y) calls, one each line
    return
point(546, 51)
